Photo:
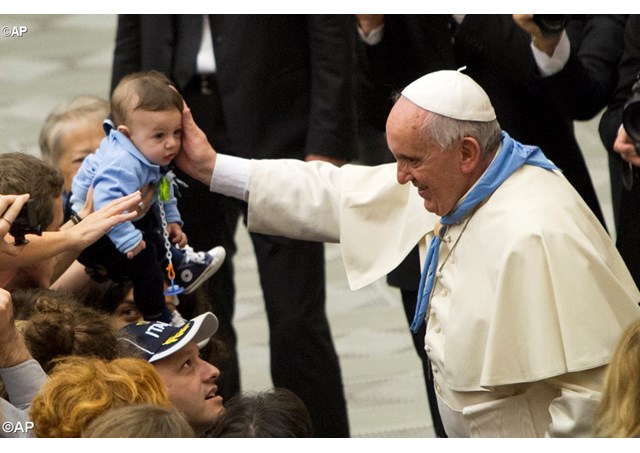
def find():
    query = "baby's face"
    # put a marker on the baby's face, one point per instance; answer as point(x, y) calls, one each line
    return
point(157, 135)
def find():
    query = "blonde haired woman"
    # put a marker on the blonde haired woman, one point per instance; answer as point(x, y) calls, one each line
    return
point(140, 420)
point(81, 388)
point(619, 412)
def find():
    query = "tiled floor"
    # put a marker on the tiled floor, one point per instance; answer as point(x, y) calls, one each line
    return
point(62, 56)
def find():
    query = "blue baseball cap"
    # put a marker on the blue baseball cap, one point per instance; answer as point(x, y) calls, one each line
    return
point(157, 340)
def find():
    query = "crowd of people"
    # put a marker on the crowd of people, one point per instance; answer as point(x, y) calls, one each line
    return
point(437, 150)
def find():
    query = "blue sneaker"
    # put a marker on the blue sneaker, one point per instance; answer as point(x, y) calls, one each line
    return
point(196, 268)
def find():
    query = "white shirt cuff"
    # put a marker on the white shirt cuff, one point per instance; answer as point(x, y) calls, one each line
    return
point(550, 65)
point(374, 37)
point(231, 177)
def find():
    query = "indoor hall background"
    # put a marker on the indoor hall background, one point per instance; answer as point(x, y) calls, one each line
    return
point(61, 56)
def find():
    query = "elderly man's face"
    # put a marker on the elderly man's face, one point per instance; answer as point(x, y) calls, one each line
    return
point(77, 142)
point(434, 171)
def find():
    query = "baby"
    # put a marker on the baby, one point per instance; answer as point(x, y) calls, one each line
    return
point(143, 139)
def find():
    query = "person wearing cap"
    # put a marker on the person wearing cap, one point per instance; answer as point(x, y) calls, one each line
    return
point(512, 254)
point(261, 86)
point(174, 351)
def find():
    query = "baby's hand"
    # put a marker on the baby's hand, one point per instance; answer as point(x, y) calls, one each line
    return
point(137, 249)
point(176, 234)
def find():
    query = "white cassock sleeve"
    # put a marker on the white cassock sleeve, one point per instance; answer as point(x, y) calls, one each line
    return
point(573, 411)
point(376, 220)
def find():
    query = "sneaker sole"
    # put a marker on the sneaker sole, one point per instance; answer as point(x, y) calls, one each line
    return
point(208, 272)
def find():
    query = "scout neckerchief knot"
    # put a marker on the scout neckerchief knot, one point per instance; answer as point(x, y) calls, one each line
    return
point(512, 156)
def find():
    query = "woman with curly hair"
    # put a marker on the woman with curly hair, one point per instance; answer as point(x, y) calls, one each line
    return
point(81, 388)
point(54, 324)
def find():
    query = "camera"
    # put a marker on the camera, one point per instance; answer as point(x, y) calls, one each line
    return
point(551, 24)
point(25, 223)
point(631, 124)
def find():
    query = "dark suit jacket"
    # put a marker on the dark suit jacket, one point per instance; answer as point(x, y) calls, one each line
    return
point(628, 71)
point(628, 240)
point(497, 55)
point(286, 81)
point(412, 46)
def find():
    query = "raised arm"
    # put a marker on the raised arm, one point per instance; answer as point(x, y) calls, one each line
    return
point(74, 239)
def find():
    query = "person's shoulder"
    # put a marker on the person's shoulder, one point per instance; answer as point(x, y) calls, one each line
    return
point(539, 202)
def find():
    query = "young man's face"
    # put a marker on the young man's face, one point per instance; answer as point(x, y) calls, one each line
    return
point(157, 135)
point(192, 388)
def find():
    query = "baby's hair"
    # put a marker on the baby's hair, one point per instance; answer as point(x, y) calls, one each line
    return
point(151, 91)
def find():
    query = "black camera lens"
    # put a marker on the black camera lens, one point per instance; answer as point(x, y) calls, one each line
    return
point(25, 223)
point(631, 118)
point(551, 24)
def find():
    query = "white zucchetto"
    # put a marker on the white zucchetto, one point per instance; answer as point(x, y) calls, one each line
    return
point(451, 94)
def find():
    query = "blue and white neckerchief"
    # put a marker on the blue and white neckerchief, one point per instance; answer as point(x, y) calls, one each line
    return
point(511, 157)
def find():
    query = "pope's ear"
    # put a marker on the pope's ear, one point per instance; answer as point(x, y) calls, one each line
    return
point(470, 155)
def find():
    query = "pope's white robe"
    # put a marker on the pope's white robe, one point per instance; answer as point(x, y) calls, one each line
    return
point(530, 298)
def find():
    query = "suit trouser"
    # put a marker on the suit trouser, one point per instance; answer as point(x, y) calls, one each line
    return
point(627, 241)
point(303, 356)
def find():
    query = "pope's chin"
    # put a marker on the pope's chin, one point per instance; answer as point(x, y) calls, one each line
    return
point(429, 203)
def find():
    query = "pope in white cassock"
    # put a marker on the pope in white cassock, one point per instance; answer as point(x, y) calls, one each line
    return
point(523, 291)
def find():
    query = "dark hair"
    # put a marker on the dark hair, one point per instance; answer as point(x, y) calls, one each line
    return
point(29, 301)
point(104, 296)
point(22, 173)
point(150, 91)
point(59, 326)
point(272, 413)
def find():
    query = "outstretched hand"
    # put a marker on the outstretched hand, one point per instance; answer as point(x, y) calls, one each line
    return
point(196, 157)
point(98, 223)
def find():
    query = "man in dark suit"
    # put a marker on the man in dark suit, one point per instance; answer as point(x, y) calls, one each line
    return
point(624, 149)
point(534, 108)
point(279, 86)
point(497, 54)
